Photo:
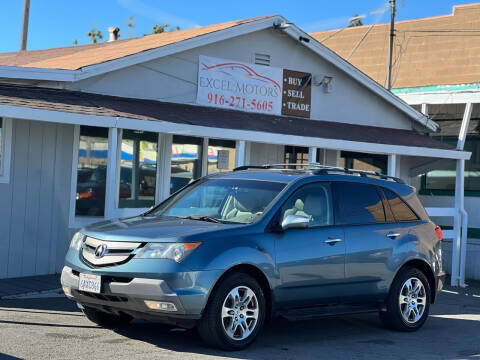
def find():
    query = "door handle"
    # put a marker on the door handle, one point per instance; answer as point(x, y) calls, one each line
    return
point(332, 241)
point(393, 235)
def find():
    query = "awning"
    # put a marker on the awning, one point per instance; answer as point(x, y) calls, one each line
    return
point(89, 104)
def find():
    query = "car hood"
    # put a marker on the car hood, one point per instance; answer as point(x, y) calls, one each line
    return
point(145, 229)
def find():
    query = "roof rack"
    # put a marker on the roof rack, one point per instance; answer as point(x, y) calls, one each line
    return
point(319, 169)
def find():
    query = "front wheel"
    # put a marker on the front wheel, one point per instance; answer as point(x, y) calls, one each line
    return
point(408, 302)
point(235, 313)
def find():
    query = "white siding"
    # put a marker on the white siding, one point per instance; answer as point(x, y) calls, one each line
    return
point(34, 204)
point(174, 78)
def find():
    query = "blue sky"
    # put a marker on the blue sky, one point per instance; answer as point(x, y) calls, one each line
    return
point(56, 23)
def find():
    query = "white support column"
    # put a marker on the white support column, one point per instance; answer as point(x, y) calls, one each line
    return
point(392, 165)
point(205, 156)
point(111, 173)
point(312, 154)
point(465, 124)
point(425, 109)
point(240, 153)
point(457, 228)
point(164, 167)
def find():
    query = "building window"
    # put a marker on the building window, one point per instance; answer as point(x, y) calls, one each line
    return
point(361, 161)
point(138, 169)
point(91, 171)
point(221, 155)
point(443, 181)
point(296, 155)
point(186, 161)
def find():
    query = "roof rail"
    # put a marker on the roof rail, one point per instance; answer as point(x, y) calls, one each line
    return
point(319, 169)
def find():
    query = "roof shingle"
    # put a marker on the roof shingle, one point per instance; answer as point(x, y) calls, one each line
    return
point(76, 57)
point(428, 51)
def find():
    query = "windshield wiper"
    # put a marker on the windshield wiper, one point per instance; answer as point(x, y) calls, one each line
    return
point(203, 218)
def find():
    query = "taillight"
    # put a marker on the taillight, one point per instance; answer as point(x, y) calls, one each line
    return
point(438, 231)
point(90, 193)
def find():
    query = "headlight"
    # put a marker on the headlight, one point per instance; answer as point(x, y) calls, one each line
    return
point(173, 251)
point(77, 241)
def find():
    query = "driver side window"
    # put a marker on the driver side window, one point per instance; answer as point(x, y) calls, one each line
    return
point(313, 201)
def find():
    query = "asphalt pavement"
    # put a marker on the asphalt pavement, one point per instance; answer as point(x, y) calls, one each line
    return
point(53, 328)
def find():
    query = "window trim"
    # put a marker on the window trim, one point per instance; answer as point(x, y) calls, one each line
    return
point(6, 150)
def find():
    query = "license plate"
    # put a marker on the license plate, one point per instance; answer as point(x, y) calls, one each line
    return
point(90, 283)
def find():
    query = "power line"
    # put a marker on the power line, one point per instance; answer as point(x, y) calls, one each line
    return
point(359, 43)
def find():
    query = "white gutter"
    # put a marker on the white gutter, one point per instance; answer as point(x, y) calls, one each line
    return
point(233, 134)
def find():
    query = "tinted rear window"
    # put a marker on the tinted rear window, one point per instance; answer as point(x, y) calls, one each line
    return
point(359, 204)
point(400, 210)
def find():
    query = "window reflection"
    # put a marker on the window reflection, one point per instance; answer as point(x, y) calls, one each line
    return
point(91, 171)
point(186, 161)
point(221, 155)
point(138, 169)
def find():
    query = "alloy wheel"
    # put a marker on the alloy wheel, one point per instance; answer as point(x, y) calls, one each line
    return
point(240, 312)
point(412, 300)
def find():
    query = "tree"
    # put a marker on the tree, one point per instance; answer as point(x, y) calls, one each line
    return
point(356, 20)
point(75, 42)
point(95, 35)
point(158, 29)
point(130, 25)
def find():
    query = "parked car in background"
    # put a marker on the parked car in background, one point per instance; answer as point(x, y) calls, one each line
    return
point(231, 250)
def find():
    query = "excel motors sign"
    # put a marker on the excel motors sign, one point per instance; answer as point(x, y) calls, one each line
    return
point(239, 86)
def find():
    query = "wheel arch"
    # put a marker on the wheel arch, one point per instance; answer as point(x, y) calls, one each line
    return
point(258, 275)
point(425, 268)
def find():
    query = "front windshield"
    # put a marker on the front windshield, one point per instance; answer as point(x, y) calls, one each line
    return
point(225, 200)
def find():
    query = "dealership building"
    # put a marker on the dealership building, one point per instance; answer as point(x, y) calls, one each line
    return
point(107, 130)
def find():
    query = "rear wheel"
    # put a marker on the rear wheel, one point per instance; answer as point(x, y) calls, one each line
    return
point(105, 319)
point(235, 313)
point(408, 302)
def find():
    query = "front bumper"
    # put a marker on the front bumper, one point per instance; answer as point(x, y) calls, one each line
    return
point(122, 294)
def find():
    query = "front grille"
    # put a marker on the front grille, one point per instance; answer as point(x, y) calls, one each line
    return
point(104, 297)
point(113, 252)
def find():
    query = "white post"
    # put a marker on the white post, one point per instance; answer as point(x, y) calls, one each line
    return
point(164, 164)
point(425, 109)
point(240, 149)
point(205, 156)
point(111, 173)
point(392, 165)
point(459, 204)
point(312, 154)
point(465, 124)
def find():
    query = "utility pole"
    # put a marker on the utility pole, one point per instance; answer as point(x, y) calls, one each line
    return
point(26, 12)
point(390, 48)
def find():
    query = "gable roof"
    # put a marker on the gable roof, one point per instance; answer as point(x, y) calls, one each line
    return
point(77, 57)
point(441, 50)
point(91, 61)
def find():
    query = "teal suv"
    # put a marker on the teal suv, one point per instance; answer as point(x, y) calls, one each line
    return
point(231, 250)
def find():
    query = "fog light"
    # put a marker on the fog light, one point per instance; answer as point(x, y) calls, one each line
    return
point(160, 305)
point(67, 290)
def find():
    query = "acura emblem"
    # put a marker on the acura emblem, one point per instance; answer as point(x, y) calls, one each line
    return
point(100, 250)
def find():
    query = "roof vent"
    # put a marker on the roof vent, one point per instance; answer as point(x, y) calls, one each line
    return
point(262, 59)
point(113, 33)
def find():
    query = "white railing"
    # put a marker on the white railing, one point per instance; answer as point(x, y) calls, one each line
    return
point(459, 240)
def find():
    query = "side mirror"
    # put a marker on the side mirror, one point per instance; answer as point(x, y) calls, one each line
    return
point(295, 222)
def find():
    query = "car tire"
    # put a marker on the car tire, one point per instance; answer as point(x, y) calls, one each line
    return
point(105, 319)
point(232, 322)
point(408, 302)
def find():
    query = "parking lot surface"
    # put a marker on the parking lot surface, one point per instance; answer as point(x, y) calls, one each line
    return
point(53, 328)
